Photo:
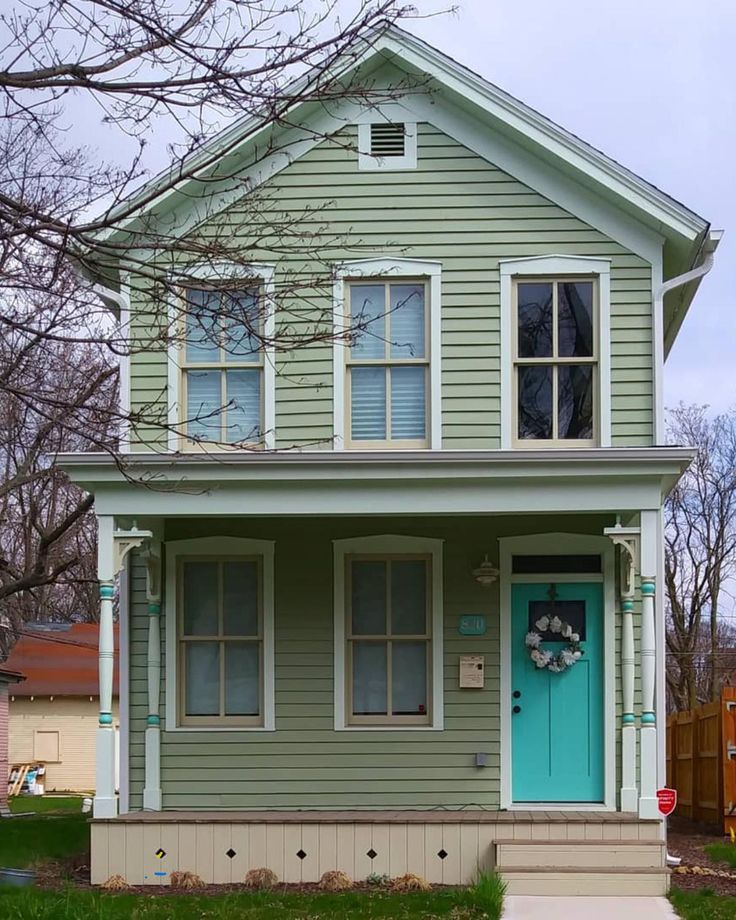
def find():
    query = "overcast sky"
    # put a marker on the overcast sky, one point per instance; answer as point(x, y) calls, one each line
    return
point(652, 83)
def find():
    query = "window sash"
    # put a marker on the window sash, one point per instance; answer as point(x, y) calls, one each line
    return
point(555, 360)
point(222, 639)
point(387, 361)
point(389, 638)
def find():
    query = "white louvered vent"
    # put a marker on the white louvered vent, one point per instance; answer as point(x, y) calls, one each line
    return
point(388, 140)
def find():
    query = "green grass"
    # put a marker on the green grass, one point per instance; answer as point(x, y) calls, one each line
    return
point(703, 905)
point(46, 805)
point(24, 841)
point(722, 852)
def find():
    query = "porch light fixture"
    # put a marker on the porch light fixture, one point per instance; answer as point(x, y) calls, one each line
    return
point(486, 573)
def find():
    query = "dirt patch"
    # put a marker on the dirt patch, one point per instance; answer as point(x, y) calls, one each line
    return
point(687, 840)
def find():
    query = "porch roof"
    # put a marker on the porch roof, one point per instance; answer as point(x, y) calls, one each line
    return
point(295, 483)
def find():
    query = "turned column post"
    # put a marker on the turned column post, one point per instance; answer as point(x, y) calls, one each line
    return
point(152, 781)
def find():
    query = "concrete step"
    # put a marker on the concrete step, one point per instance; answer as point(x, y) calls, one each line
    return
point(588, 854)
point(559, 882)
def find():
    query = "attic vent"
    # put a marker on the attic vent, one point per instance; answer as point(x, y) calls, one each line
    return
point(388, 140)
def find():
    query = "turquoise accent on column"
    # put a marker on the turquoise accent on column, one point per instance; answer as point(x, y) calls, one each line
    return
point(648, 588)
point(628, 718)
point(648, 718)
point(154, 609)
point(105, 718)
point(557, 735)
point(627, 605)
point(153, 720)
point(107, 592)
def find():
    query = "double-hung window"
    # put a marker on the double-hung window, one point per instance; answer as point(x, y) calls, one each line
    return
point(388, 363)
point(388, 634)
point(220, 639)
point(222, 367)
point(555, 360)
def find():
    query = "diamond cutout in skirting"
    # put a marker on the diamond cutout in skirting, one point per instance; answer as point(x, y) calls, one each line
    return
point(160, 853)
point(231, 853)
point(442, 854)
point(301, 854)
point(371, 854)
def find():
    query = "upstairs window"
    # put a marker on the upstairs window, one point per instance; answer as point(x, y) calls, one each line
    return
point(388, 364)
point(222, 367)
point(555, 361)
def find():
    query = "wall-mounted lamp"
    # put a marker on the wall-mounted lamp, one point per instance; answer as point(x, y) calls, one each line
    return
point(486, 573)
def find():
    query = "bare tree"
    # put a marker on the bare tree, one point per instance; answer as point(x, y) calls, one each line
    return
point(700, 556)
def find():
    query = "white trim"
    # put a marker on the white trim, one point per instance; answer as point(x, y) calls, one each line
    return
point(389, 544)
point(214, 271)
point(124, 690)
point(560, 543)
point(124, 365)
point(367, 161)
point(658, 427)
point(550, 266)
point(225, 546)
point(388, 266)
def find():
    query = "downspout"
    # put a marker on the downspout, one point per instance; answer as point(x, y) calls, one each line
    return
point(699, 272)
point(119, 305)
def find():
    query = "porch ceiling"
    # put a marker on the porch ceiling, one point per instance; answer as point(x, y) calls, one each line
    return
point(309, 483)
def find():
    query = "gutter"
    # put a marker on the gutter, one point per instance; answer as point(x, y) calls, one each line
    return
point(696, 274)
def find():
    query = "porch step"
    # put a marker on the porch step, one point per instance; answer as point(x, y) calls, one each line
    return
point(586, 882)
point(589, 854)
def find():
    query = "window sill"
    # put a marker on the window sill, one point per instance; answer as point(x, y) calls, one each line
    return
point(389, 728)
point(218, 728)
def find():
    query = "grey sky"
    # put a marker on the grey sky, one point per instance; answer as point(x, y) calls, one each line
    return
point(652, 83)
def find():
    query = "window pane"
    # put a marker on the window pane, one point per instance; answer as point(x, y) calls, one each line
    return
point(407, 320)
point(368, 403)
point(242, 678)
point(202, 679)
point(370, 686)
point(409, 678)
point(199, 597)
point(204, 405)
point(575, 318)
point(575, 401)
point(368, 598)
point(240, 598)
point(408, 403)
point(535, 401)
point(243, 415)
point(368, 320)
point(202, 344)
point(535, 319)
point(409, 597)
point(241, 323)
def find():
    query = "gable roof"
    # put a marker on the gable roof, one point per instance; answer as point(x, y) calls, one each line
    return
point(684, 233)
point(59, 661)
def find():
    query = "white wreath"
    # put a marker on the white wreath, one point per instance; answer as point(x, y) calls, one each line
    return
point(544, 659)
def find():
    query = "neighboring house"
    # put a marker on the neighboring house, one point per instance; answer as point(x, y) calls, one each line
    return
point(54, 712)
point(342, 680)
point(7, 677)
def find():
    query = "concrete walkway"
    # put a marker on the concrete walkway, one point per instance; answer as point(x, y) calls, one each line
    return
point(518, 907)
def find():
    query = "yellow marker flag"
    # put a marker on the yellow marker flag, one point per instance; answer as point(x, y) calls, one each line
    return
point(733, 836)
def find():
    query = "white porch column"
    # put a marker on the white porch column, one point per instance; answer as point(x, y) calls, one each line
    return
point(152, 782)
point(629, 792)
point(105, 801)
point(648, 732)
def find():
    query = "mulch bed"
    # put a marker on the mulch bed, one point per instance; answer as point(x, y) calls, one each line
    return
point(686, 840)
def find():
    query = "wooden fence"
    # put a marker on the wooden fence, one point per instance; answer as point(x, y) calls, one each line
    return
point(699, 763)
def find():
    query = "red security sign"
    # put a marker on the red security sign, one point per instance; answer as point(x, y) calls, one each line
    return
point(667, 799)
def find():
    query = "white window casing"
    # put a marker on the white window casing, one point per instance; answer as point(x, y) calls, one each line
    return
point(371, 139)
point(549, 267)
point(211, 273)
point(226, 547)
point(388, 545)
point(388, 269)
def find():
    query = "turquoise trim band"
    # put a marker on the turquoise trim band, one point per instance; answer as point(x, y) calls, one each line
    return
point(154, 609)
point(105, 718)
point(107, 592)
point(627, 605)
point(648, 718)
point(153, 720)
point(628, 718)
point(648, 588)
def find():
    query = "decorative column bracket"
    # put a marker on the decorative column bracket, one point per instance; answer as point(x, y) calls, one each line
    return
point(123, 542)
point(629, 539)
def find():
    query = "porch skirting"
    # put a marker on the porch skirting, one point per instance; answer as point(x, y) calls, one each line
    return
point(536, 851)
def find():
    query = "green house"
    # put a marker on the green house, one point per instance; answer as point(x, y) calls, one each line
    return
point(390, 598)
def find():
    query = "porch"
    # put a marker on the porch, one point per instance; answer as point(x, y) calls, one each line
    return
point(536, 852)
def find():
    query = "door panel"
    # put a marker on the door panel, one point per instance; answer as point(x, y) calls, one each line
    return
point(557, 732)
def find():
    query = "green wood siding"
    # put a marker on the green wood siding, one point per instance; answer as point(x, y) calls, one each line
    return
point(456, 208)
point(305, 763)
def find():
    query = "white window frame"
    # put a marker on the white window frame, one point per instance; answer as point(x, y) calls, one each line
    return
point(366, 160)
point(552, 267)
point(389, 545)
point(210, 274)
point(220, 547)
point(393, 270)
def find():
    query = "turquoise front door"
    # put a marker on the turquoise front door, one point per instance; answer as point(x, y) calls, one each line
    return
point(557, 718)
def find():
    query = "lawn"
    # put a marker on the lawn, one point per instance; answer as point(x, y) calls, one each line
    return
point(722, 852)
point(24, 841)
point(703, 905)
point(46, 804)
